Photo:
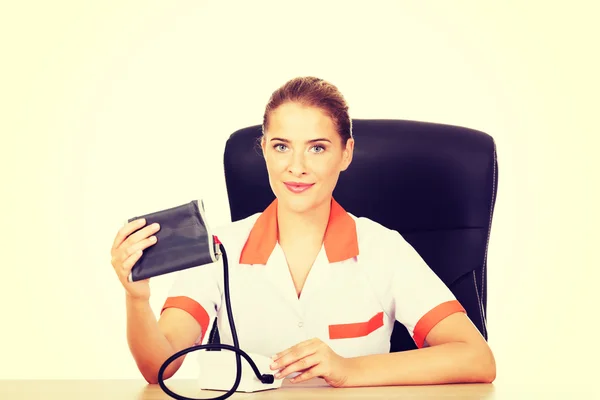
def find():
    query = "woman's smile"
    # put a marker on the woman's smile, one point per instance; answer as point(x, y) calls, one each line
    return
point(296, 187)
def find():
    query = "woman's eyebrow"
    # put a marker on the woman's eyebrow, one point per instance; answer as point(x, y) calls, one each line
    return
point(308, 141)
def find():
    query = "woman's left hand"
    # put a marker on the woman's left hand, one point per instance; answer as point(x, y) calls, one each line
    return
point(312, 358)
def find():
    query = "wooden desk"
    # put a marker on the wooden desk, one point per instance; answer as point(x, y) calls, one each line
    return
point(316, 388)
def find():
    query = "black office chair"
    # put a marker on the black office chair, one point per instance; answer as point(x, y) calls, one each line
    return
point(435, 184)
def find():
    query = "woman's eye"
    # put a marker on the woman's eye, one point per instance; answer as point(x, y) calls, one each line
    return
point(282, 147)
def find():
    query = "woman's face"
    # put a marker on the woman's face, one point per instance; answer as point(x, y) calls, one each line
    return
point(304, 156)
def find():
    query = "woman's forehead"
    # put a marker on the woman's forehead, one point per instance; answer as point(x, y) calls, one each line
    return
point(294, 122)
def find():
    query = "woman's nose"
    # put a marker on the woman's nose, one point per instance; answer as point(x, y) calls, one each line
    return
point(297, 164)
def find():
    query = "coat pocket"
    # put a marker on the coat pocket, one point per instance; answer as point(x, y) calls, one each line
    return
point(356, 329)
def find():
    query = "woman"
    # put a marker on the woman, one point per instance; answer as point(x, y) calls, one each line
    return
point(311, 285)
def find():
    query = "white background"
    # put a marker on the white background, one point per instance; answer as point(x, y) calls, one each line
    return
point(116, 108)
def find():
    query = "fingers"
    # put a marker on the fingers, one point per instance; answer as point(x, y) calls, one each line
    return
point(317, 371)
point(127, 252)
point(301, 365)
point(277, 356)
point(129, 263)
point(310, 359)
point(126, 230)
point(131, 255)
point(140, 235)
point(129, 246)
point(295, 354)
point(132, 239)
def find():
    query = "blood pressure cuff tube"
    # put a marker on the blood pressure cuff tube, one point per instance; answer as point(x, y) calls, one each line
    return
point(183, 241)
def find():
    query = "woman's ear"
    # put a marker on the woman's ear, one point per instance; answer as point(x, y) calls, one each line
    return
point(347, 154)
point(263, 144)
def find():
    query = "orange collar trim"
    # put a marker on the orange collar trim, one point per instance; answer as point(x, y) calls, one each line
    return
point(341, 241)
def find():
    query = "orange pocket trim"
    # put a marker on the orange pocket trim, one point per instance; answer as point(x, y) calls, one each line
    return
point(193, 308)
point(354, 330)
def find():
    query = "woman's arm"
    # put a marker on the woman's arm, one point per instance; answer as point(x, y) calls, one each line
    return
point(151, 342)
point(457, 353)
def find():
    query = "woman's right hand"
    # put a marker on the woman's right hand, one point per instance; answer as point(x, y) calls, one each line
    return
point(126, 251)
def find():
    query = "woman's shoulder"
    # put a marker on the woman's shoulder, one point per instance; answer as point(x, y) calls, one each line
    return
point(369, 230)
point(235, 230)
point(377, 240)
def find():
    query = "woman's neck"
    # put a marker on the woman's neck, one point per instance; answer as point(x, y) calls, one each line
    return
point(302, 228)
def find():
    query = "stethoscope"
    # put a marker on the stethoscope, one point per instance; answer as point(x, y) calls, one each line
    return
point(264, 378)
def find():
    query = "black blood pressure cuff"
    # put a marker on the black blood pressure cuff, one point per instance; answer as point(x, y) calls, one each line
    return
point(183, 241)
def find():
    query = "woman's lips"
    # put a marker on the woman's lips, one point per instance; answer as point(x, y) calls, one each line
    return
point(298, 187)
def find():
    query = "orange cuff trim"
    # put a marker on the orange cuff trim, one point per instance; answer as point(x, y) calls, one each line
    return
point(192, 307)
point(358, 329)
point(435, 315)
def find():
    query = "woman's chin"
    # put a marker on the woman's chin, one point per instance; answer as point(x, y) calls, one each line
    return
point(297, 204)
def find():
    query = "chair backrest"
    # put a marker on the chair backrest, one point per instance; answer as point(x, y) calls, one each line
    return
point(435, 184)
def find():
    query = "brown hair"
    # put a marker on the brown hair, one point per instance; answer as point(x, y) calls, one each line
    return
point(313, 92)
